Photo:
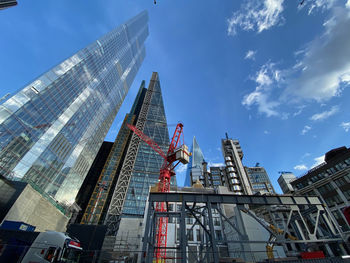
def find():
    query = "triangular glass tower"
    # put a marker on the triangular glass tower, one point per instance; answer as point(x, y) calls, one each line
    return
point(194, 168)
point(141, 165)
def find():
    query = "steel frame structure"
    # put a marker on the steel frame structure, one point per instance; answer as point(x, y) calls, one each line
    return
point(201, 205)
point(117, 202)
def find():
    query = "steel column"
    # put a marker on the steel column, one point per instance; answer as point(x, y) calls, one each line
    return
point(212, 236)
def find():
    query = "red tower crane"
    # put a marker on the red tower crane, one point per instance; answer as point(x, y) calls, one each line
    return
point(176, 153)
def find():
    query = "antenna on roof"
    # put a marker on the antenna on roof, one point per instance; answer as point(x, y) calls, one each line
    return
point(226, 135)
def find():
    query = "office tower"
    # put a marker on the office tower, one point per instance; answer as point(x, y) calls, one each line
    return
point(194, 170)
point(139, 171)
point(330, 181)
point(7, 3)
point(98, 204)
point(285, 180)
point(238, 180)
point(259, 180)
point(52, 129)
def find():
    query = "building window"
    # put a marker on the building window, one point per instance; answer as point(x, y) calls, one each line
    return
point(340, 220)
point(190, 234)
point(218, 234)
point(171, 207)
point(216, 221)
point(189, 220)
point(198, 235)
point(178, 208)
point(325, 188)
point(347, 194)
point(333, 200)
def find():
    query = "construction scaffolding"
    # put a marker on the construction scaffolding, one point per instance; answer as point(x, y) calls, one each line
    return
point(311, 232)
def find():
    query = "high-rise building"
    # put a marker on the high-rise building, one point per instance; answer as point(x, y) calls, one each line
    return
point(194, 170)
point(330, 181)
point(238, 181)
point(52, 129)
point(259, 180)
point(138, 171)
point(285, 180)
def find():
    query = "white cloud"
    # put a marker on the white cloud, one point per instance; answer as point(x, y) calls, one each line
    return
point(266, 78)
point(315, 5)
point(324, 69)
point(347, 5)
point(250, 54)
point(267, 132)
point(300, 110)
point(318, 161)
point(345, 125)
point(305, 155)
point(256, 15)
point(300, 167)
point(324, 115)
point(305, 129)
point(262, 78)
point(261, 99)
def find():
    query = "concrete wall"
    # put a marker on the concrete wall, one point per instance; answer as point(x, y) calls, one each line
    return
point(31, 208)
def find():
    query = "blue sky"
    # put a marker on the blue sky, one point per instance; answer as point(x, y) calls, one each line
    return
point(271, 73)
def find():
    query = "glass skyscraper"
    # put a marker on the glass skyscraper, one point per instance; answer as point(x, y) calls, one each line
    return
point(51, 130)
point(194, 170)
point(141, 164)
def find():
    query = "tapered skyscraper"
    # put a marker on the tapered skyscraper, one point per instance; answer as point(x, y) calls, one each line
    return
point(51, 130)
point(194, 170)
point(141, 165)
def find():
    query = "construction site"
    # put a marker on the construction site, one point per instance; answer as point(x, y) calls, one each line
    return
point(94, 163)
point(206, 224)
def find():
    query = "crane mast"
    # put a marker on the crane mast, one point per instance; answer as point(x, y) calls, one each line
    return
point(175, 153)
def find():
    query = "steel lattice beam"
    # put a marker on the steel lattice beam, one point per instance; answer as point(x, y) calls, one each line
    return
point(121, 189)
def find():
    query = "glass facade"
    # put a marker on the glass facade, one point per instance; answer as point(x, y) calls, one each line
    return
point(51, 130)
point(145, 172)
point(100, 199)
point(259, 180)
point(194, 168)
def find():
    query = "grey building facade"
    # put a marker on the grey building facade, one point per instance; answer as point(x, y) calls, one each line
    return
point(285, 180)
point(259, 180)
point(238, 180)
point(52, 129)
point(331, 182)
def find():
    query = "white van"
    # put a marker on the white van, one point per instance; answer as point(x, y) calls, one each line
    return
point(54, 247)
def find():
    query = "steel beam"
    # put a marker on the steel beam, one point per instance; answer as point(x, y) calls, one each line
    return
point(214, 245)
point(235, 199)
